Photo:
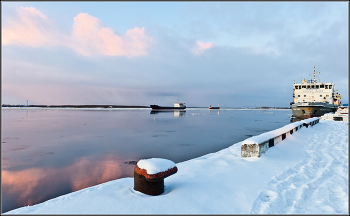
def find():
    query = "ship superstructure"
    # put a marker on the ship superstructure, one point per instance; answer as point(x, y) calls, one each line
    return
point(314, 98)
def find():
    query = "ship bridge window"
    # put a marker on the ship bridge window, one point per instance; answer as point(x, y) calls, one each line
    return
point(317, 86)
point(312, 86)
point(330, 86)
point(304, 86)
point(308, 87)
point(326, 86)
point(321, 86)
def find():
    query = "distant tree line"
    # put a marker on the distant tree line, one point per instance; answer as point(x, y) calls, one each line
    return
point(76, 106)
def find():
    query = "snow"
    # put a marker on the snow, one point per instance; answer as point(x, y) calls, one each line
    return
point(272, 134)
point(309, 120)
point(155, 165)
point(339, 113)
point(306, 173)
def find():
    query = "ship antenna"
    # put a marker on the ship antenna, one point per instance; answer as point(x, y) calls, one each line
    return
point(319, 79)
point(314, 75)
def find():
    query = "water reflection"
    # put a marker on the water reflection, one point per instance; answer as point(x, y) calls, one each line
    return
point(177, 113)
point(48, 153)
point(214, 111)
point(33, 185)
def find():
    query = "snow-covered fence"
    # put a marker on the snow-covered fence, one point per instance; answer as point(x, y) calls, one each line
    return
point(256, 145)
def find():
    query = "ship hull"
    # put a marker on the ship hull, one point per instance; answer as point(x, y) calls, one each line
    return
point(165, 108)
point(308, 111)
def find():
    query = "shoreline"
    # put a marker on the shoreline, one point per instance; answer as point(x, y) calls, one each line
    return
point(131, 107)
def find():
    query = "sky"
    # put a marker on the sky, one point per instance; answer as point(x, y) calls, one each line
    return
point(235, 54)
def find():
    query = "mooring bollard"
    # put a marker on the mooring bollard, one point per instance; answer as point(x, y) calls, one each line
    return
point(149, 175)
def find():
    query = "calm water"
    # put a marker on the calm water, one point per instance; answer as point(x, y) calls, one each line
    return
point(50, 152)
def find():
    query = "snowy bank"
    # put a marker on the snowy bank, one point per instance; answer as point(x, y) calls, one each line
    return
point(305, 173)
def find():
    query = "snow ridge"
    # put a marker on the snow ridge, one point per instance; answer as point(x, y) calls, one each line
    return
point(319, 182)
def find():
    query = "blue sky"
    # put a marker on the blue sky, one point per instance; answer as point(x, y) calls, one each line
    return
point(234, 54)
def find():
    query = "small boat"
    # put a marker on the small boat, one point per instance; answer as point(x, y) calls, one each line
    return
point(211, 107)
point(177, 106)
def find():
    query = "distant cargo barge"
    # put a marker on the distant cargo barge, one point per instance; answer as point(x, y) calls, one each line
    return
point(177, 106)
point(211, 107)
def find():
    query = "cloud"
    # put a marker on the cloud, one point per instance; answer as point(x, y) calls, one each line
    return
point(200, 47)
point(264, 50)
point(32, 29)
point(88, 37)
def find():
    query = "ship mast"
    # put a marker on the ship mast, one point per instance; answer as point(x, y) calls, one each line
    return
point(315, 75)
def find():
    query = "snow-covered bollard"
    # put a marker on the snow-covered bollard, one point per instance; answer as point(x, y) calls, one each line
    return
point(149, 175)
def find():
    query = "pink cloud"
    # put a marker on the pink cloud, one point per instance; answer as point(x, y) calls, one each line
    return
point(32, 29)
point(88, 36)
point(31, 12)
point(200, 47)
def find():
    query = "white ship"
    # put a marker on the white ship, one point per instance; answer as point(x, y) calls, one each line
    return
point(312, 98)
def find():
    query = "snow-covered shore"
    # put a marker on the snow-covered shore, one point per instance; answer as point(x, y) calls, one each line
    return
point(305, 173)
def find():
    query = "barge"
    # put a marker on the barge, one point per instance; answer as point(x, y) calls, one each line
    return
point(177, 106)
